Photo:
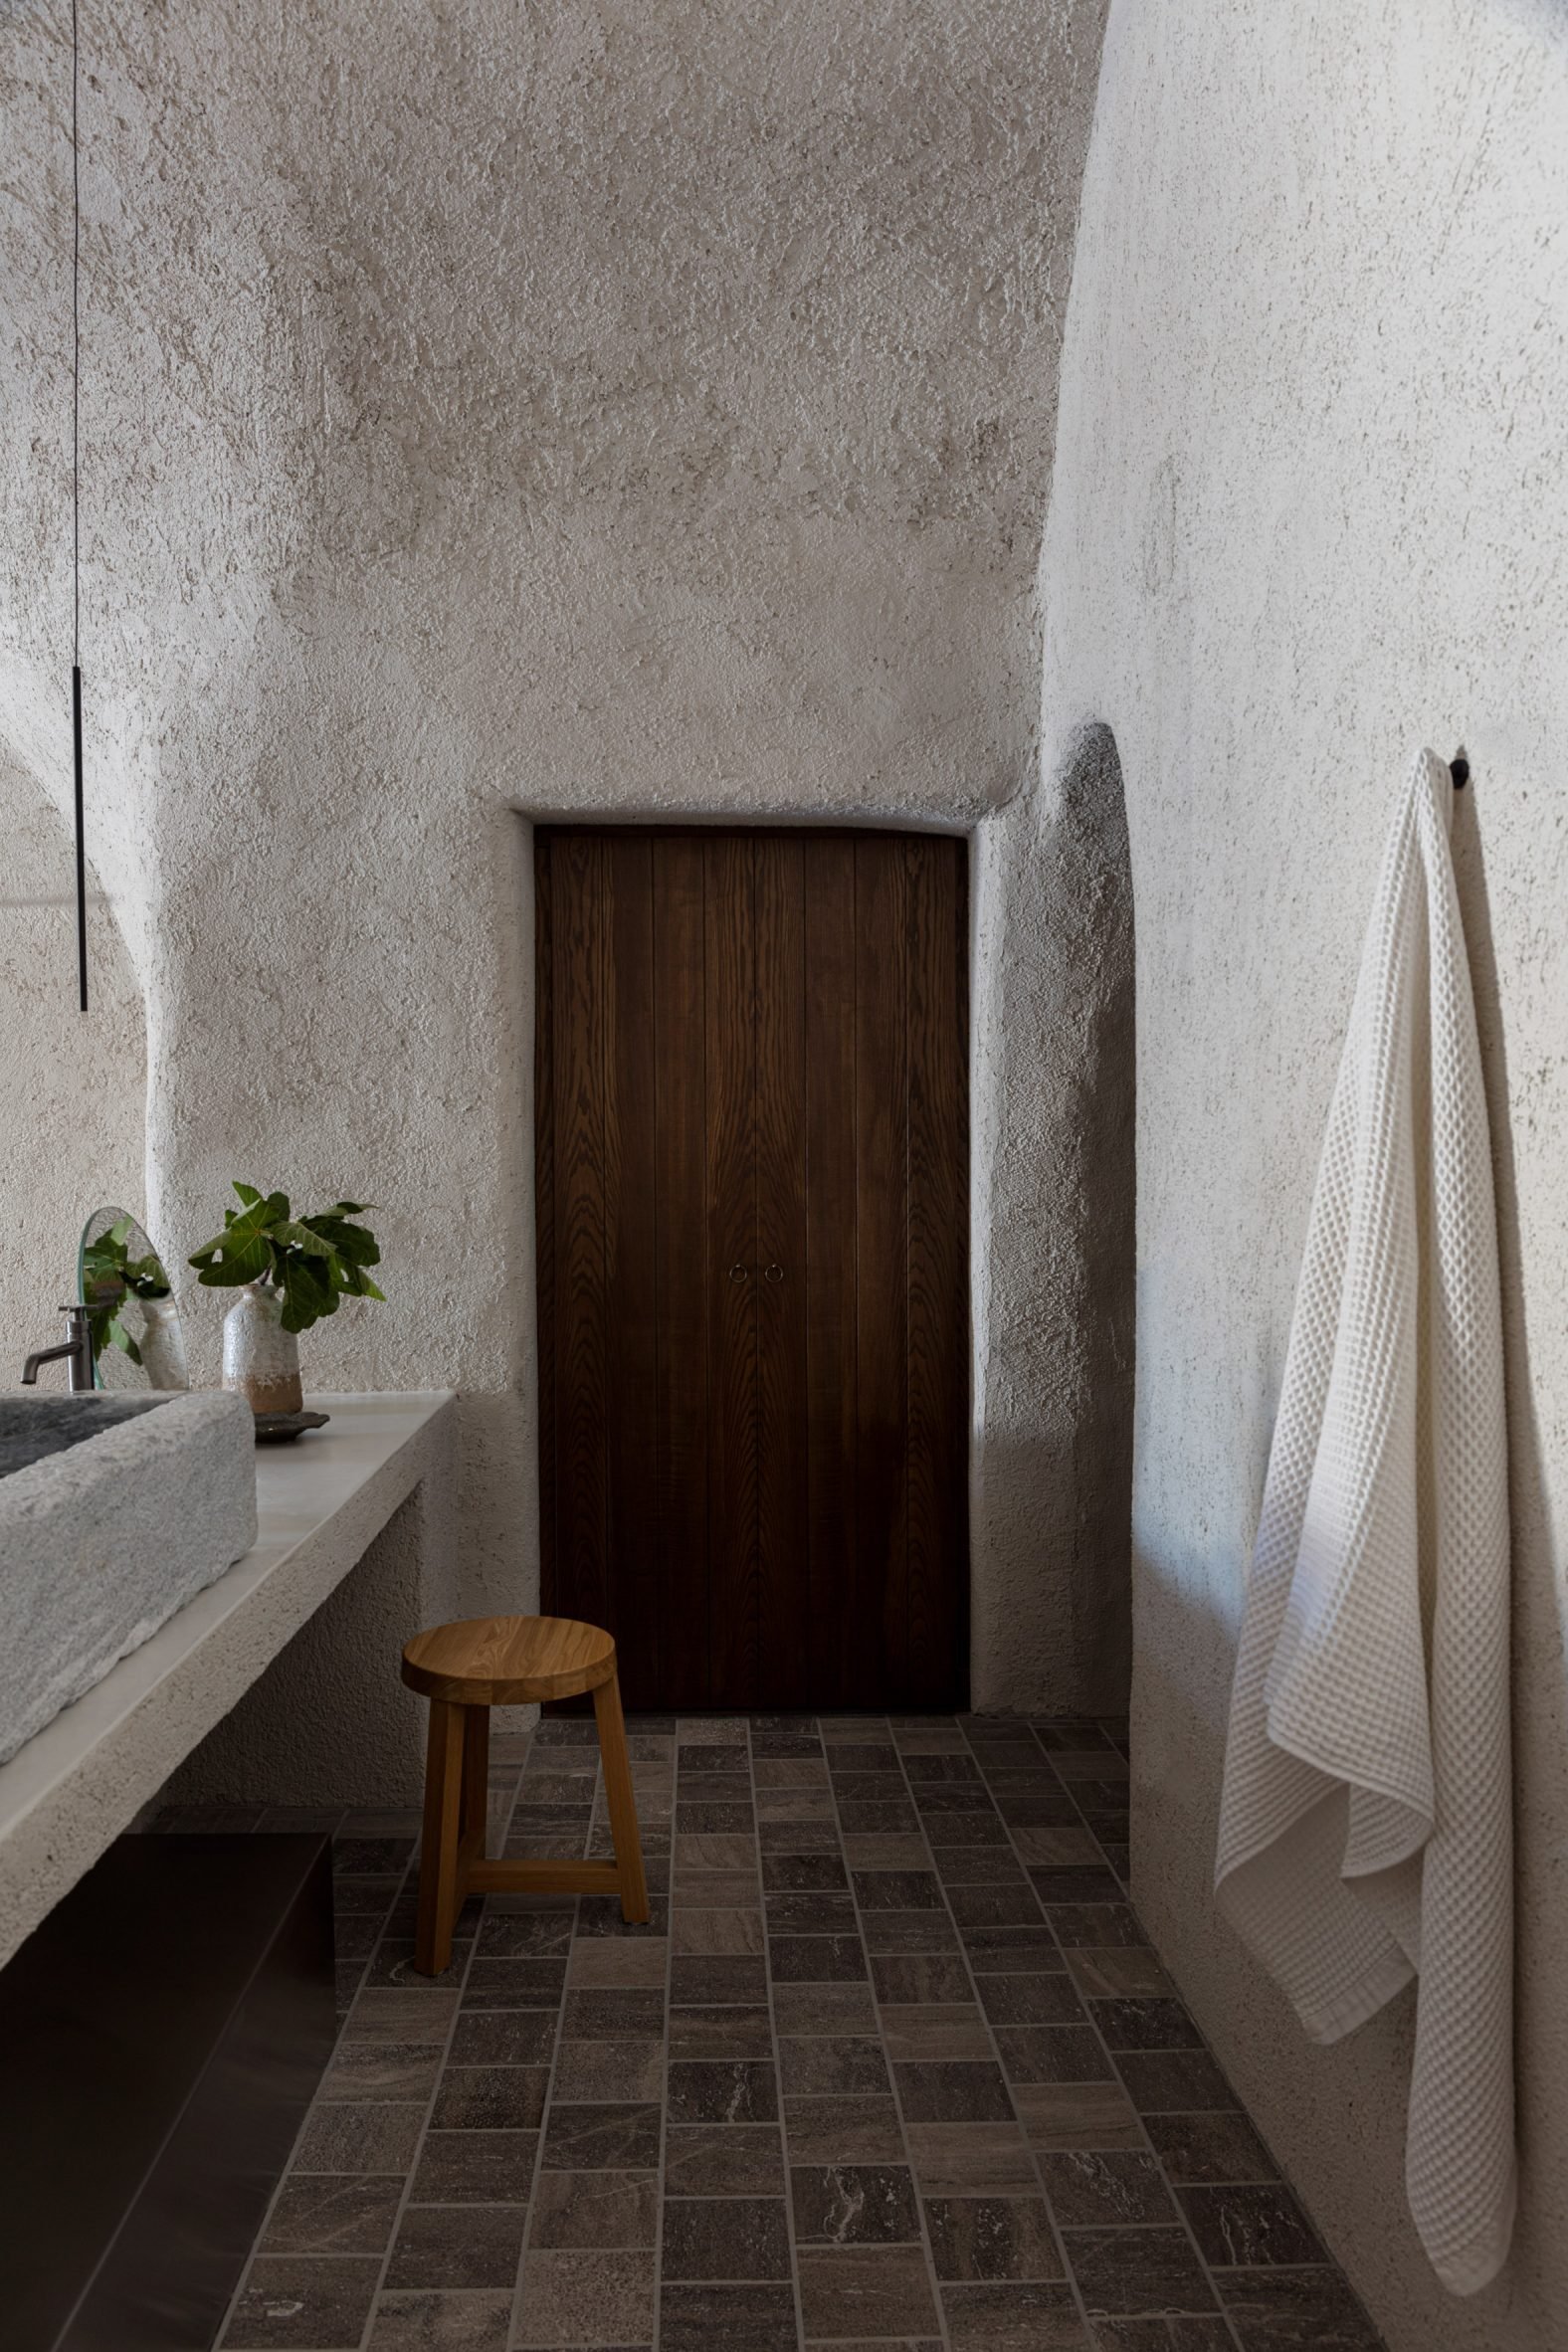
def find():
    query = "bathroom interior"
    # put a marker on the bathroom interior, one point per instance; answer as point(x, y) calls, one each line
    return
point(785, 975)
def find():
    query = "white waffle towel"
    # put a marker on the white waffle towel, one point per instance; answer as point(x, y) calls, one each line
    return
point(1366, 1822)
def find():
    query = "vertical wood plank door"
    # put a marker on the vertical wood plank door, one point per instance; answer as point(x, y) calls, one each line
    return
point(752, 1133)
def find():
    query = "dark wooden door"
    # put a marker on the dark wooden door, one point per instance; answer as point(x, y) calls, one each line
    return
point(752, 1186)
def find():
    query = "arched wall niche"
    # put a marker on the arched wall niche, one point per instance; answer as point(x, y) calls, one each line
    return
point(75, 1085)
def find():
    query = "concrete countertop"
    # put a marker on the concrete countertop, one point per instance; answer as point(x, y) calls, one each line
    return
point(82, 1781)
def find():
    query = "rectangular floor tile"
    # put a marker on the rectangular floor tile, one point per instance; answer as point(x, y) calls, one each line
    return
point(528, 1982)
point(1113, 1969)
point(898, 1890)
point(910, 1931)
point(724, 2160)
point(703, 1978)
point(723, 2090)
point(1278, 2310)
point(1107, 2186)
point(457, 2246)
point(992, 2237)
point(1052, 2053)
point(1210, 2148)
point(612, 2013)
point(1006, 1951)
point(402, 2016)
point(612, 2137)
point(491, 2098)
point(815, 1959)
point(934, 2030)
point(605, 1962)
point(719, 2030)
point(442, 2319)
point(847, 2065)
point(1094, 1924)
point(726, 2238)
point(573, 2297)
point(979, 1866)
point(853, 2204)
point(315, 2301)
point(843, 2130)
point(803, 1873)
point(505, 2037)
point(1171, 2079)
point(1031, 1998)
point(755, 2317)
point(1077, 2115)
point(474, 2168)
point(1246, 2228)
point(1146, 2021)
point(954, 2092)
point(609, 2069)
point(366, 2136)
point(811, 1914)
point(824, 2008)
point(856, 2290)
point(1185, 2334)
point(887, 1853)
point(1012, 2317)
point(905, 1979)
point(330, 2213)
point(595, 2209)
point(971, 2159)
point(1142, 2270)
point(732, 1933)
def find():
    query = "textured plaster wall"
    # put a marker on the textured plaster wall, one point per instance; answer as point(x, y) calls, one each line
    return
point(611, 408)
point(1309, 512)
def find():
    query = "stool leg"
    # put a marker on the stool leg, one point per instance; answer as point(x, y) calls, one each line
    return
point(476, 1785)
point(439, 1851)
point(620, 1800)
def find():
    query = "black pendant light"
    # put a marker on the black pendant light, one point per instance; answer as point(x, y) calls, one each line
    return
point(76, 524)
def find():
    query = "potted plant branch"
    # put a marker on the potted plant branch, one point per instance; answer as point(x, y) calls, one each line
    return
point(290, 1271)
point(110, 1276)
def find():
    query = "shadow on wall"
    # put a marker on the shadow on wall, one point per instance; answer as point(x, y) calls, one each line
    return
point(1055, 1327)
point(1094, 894)
point(1540, 1635)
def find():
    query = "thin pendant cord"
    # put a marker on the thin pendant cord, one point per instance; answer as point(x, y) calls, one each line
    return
point(76, 521)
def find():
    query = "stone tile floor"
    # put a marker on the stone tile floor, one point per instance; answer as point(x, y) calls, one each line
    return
point(893, 2065)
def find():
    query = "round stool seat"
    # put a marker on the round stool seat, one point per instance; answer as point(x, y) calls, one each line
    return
point(506, 1662)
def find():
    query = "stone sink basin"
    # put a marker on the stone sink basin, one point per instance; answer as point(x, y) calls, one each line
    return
point(115, 1511)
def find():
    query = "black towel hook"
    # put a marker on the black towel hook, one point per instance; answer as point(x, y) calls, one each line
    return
point(1459, 770)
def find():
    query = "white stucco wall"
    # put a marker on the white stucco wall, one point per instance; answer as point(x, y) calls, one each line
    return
point(605, 409)
point(1309, 512)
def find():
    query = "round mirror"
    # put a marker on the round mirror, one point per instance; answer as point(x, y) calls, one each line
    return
point(135, 1324)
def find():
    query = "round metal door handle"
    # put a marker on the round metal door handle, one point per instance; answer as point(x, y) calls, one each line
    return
point(773, 1273)
point(737, 1273)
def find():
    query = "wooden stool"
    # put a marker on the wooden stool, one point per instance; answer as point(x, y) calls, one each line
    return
point(465, 1669)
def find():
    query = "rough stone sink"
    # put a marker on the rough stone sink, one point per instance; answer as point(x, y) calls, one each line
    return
point(113, 1513)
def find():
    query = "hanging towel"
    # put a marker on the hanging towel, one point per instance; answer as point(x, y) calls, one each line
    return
point(1366, 1825)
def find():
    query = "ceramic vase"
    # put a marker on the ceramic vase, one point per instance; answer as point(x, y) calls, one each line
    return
point(261, 1360)
point(162, 1344)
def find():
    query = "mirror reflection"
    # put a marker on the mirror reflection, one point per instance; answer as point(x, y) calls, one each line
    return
point(136, 1325)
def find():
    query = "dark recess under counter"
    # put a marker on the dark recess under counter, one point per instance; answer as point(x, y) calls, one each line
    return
point(161, 2034)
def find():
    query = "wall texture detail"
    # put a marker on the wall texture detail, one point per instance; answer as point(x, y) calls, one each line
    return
point(1310, 511)
point(617, 410)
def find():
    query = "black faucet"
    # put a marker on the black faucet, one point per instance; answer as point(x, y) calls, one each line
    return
point(76, 1346)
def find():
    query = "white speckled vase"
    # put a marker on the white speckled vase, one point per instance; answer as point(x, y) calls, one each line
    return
point(164, 1344)
point(261, 1360)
